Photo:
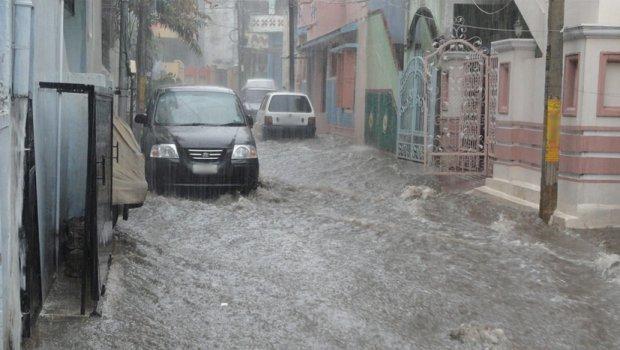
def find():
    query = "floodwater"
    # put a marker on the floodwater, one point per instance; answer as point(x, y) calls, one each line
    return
point(329, 253)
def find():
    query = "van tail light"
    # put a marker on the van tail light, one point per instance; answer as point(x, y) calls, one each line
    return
point(312, 121)
point(268, 120)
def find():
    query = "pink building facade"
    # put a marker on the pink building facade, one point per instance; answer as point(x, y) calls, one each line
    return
point(334, 52)
point(329, 63)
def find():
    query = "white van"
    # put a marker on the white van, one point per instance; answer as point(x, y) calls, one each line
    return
point(266, 84)
point(253, 93)
point(283, 113)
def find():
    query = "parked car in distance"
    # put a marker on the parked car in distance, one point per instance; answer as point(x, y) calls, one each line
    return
point(286, 113)
point(198, 137)
point(268, 84)
point(254, 91)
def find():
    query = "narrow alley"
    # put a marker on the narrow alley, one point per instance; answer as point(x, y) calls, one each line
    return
point(317, 174)
point(334, 251)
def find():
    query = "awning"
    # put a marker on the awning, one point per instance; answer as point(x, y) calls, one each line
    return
point(340, 48)
point(347, 28)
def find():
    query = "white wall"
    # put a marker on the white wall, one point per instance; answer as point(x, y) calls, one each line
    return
point(527, 89)
point(525, 107)
point(360, 82)
point(60, 121)
point(6, 305)
point(609, 12)
point(535, 14)
point(589, 66)
point(577, 12)
point(47, 67)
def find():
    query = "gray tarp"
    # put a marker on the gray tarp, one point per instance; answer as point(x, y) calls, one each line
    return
point(129, 183)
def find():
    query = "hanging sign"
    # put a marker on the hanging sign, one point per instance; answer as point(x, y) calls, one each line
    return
point(266, 24)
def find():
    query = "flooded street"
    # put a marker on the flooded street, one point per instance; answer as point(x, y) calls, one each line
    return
point(332, 251)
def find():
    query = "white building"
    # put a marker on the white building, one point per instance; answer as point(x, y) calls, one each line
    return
point(589, 145)
point(589, 179)
point(69, 41)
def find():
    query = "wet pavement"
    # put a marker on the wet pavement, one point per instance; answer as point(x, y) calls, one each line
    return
point(329, 253)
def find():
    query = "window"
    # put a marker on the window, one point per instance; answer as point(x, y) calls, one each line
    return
point(290, 103)
point(504, 88)
point(198, 108)
point(254, 96)
point(264, 102)
point(346, 80)
point(609, 85)
point(571, 85)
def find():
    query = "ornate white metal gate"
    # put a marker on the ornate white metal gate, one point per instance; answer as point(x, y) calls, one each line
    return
point(447, 109)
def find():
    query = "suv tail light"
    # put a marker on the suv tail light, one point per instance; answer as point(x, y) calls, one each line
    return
point(268, 120)
point(311, 120)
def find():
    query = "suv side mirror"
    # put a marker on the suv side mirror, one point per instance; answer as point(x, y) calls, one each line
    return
point(141, 118)
point(250, 121)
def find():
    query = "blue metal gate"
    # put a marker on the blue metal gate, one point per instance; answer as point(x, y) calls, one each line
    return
point(412, 137)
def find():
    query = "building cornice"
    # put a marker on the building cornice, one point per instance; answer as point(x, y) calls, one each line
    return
point(591, 31)
point(513, 45)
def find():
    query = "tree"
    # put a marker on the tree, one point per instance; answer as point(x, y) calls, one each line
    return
point(183, 17)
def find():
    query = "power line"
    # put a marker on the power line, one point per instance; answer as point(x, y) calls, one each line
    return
point(422, 16)
point(494, 12)
point(491, 29)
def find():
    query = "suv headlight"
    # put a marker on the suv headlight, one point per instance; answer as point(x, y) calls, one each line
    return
point(244, 152)
point(164, 150)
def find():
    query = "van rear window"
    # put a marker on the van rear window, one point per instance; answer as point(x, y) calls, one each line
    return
point(290, 103)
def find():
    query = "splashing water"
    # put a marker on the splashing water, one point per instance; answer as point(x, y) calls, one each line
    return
point(326, 254)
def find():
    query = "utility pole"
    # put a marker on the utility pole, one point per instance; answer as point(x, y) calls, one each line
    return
point(123, 61)
point(553, 103)
point(291, 45)
point(240, 42)
point(141, 56)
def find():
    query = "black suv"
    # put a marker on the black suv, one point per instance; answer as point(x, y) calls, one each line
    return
point(198, 137)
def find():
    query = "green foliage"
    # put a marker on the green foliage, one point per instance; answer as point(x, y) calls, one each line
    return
point(168, 79)
point(183, 17)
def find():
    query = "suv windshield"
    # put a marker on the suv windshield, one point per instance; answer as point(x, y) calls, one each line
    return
point(290, 103)
point(198, 108)
point(254, 96)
